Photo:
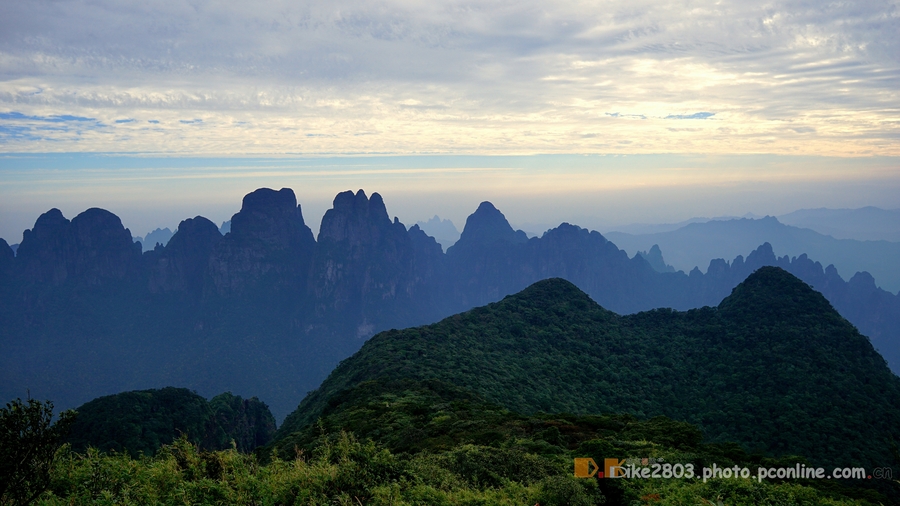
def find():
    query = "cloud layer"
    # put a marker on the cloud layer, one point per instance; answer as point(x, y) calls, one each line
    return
point(486, 77)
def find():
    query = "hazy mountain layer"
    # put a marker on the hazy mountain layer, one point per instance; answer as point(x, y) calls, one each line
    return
point(158, 236)
point(697, 243)
point(269, 310)
point(864, 224)
point(443, 231)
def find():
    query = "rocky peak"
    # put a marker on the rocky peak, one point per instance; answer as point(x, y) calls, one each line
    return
point(368, 267)
point(487, 225)
point(7, 257)
point(355, 218)
point(93, 246)
point(761, 256)
point(103, 247)
point(268, 239)
point(655, 258)
point(48, 225)
point(181, 264)
point(271, 217)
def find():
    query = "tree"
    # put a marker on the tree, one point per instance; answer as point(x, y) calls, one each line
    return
point(28, 443)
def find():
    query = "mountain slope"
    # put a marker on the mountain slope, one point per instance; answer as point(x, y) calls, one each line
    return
point(774, 367)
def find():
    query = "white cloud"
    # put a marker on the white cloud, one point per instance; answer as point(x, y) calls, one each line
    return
point(458, 77)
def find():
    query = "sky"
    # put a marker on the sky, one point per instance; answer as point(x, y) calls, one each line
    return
point(597, 113)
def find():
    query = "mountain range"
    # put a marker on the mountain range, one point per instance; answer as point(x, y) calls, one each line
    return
point(158, 236)
point(696, 244)
point(861, 224)
point(268, 309)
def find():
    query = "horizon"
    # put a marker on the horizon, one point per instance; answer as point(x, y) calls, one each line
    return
point(598, 192)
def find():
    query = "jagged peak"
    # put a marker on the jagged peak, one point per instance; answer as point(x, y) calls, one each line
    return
point(346, 200)
point(762, 255)
point(351, 213)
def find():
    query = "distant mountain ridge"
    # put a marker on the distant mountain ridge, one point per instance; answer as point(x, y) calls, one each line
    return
point(443, 231)
point(157, 236)
point(863, 224)
point(698, 243)
point(268, 309)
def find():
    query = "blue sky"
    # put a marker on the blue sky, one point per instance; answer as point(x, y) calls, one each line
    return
point(155, 109)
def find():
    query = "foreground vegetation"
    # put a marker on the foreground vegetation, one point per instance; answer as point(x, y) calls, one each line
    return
point(428, 443)
point(346, 471)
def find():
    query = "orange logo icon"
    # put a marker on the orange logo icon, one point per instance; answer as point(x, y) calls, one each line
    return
point(587, 468)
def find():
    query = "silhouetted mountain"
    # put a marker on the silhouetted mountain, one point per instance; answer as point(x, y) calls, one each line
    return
point(181, 265)
point(363, 265)
point(92, 247)
point(142, 421)
point(7, 257)
point(14, 247)
point(226, 227)
point(269, 246)
point(863, 224)
point(698, 243)
point(773, 367)
point(267, 310)
point(487, 227)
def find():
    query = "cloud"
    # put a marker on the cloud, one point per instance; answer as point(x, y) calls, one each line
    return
point(696, 115)
point(458, 76)
point(59, 118)
point(17, 128)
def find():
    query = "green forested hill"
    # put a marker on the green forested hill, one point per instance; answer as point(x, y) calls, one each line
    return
point(142, 421)
point(773, 368)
